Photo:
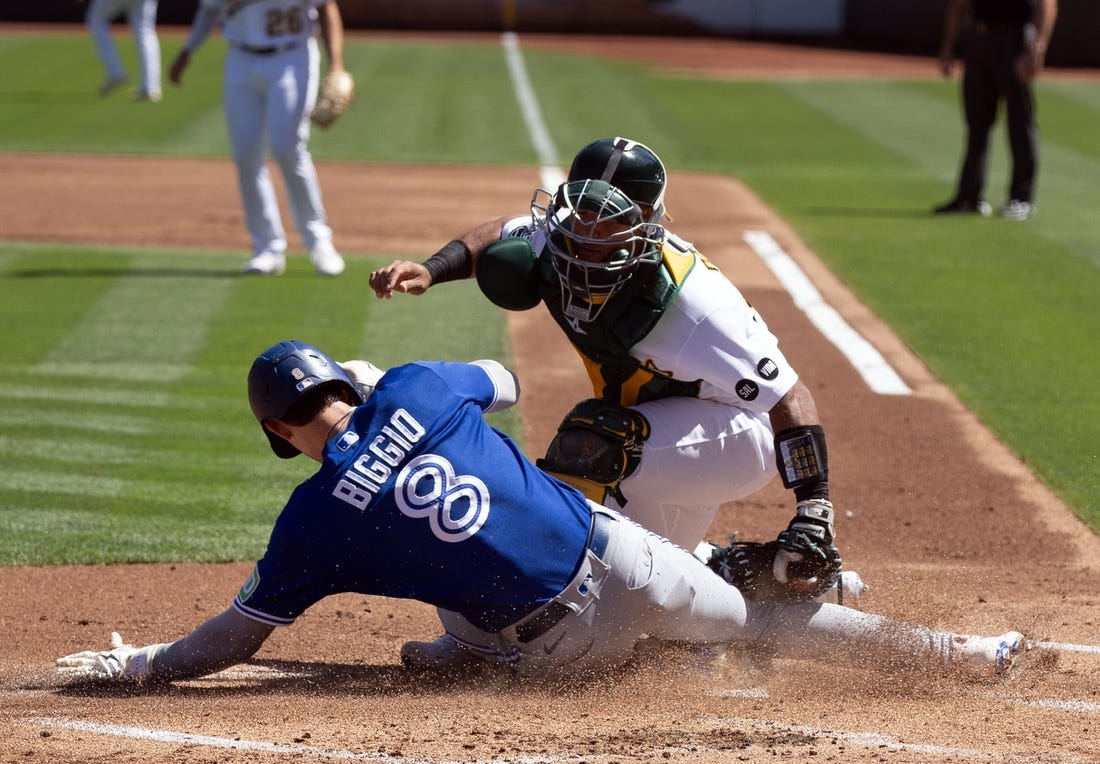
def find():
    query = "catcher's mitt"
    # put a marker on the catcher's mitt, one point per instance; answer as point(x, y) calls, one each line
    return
point(747, 565)
point(334, 96)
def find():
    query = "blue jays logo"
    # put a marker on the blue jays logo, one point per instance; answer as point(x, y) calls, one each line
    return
point(456, 505)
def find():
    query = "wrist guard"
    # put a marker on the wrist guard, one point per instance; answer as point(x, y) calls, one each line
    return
point(803, 461)
point(450, 263)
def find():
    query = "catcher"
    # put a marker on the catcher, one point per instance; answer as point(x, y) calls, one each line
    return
point(693, 404)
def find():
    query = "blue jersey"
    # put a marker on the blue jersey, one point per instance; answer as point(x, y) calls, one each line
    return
point(419, 498)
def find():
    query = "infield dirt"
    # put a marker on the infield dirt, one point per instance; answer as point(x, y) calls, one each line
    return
point(946, 525)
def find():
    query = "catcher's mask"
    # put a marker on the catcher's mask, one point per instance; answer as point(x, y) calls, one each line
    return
point(629, 166)
point(283, 374)
point(597, 239)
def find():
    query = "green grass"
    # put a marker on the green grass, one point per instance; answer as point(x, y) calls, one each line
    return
point(122, 432)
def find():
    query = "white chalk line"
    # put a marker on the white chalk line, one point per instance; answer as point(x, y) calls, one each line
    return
point(876, 372)
point(862, 739)
point(1068, 648)
point(549, 172)
point(1061, 705)
point(210, 741)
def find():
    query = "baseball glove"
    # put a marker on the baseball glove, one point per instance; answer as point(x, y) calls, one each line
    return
point(747, 565)
point(334, 96)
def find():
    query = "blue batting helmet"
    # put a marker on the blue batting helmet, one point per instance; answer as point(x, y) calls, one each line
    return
point(284, 373)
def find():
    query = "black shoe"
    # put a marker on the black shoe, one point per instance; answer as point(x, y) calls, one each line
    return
point(965, 207)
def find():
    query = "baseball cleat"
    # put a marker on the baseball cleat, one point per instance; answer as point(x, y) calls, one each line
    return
point(152, 96)
point(110, 85)
point(327, 260)
point(444, 654)
point(265, 264)
point(1017, 209)
point(996, 655)
point(965, 207)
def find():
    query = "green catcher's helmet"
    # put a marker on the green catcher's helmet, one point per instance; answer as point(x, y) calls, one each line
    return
point(629, 166)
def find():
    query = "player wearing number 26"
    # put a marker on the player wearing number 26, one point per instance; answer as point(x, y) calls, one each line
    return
point(271, 80)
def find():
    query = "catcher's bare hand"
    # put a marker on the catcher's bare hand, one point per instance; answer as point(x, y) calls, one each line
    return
point(122, 663)
point(400, 276)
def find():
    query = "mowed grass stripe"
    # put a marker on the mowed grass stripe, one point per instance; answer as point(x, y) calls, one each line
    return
point(61, 482)
point(148, 318)
point(96, 537)
point(112, 396)
point(908, 120)
point(75, 451)
point(41, 418)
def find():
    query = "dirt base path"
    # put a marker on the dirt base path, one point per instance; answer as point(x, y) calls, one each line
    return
point(946, 525)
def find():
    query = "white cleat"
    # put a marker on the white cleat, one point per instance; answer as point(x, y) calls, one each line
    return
point(444, 654)
point(327, 260)
point(994, 656)
point(265, 264)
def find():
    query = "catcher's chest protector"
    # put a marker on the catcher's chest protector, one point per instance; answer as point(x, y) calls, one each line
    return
point(604, 344)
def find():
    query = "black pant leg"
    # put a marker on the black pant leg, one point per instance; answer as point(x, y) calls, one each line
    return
point(1023, 139)
point(980, 97)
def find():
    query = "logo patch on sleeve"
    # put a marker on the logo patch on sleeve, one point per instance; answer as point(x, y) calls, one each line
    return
point(747, 390)
point(249, 585)
point(767, 369)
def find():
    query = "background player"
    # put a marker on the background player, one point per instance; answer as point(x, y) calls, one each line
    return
point(417, 497)
point(271, 78)
point(142, 17)
point(693, 397)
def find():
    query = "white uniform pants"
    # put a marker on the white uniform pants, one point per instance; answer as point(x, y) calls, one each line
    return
point(645, 586)
point(699, 454)
point(142, 17)
point(268, 100)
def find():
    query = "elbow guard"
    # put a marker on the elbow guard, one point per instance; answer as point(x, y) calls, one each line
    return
point(507, 274)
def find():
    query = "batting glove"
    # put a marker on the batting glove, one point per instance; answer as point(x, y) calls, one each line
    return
point(122, 663)
point(364, 374)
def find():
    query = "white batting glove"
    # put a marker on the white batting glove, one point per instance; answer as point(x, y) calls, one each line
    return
point(364, 374)
point(123, 662)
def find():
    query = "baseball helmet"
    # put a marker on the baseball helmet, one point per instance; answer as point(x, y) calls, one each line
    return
point(283, 374)
point(629, 166)
point(597, 238)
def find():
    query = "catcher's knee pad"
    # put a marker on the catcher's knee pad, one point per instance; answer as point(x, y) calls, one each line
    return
point(597, 445)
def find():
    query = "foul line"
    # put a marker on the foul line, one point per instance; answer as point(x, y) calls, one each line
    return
point(870, 364)
point(549, 171)
point(184, 738)
point(1067, 647)
point(862, 739)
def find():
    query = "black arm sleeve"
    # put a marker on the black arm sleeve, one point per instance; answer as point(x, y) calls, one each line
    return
point(450, 263)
